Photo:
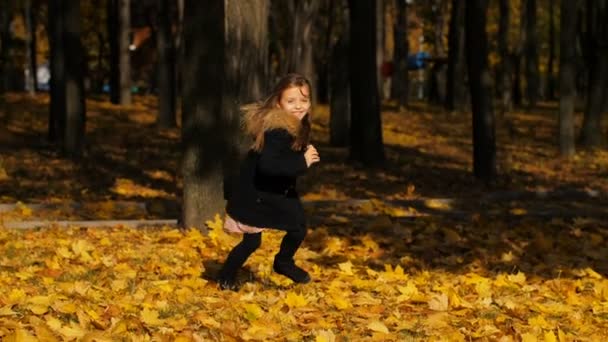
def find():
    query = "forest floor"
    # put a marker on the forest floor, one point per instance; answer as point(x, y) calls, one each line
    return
point(417, 250)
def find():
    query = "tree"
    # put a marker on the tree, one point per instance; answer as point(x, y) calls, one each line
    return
point(531, 54)
point(567, 77)
point(505, 68)
point(456, 87)
point(113, 39)
point(57, 104)
point(124, 53)
point(399, 85)
point(203, 124)
point(166, 66)
point(5, 42)
point(29, 14)
point(551, 62)
point(300, 53)
point(246, 72)
point(437, 92)
point(591, 134)
point(366, 144)
point(339, 89)
point(74, 85)
point(480, 83)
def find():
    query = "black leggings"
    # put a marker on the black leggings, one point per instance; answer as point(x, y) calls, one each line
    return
point(251, 242)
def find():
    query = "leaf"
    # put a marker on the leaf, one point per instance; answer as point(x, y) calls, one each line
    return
point(21, 335)
point(550, 337)
point(150, 317)
point(325, 336)
point(528, 337)
point(439, 302)
point(253, 311)
point(346, 267)
point(378, 327)
point(294, 300)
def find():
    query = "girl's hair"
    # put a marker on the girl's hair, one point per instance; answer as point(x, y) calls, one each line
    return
point(257, 111)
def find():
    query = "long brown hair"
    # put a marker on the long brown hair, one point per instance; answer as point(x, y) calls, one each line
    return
point(257, 111)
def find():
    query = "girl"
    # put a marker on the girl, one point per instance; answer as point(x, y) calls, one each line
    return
point(264, 193)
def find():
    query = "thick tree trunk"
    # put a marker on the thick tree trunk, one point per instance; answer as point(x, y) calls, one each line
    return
point(366, 144)
point(124, 8)
point(531, 52)
point(57, 104)
point(484, 141)
point(379, 11)
point(74, 85)
point(301, 58)
point(517, 57)
point(551, 62)
point(505, 70)
point(246, 71)
point(204, 122)
point(591, 134)
point(166, 66)
point(5, 43)
point(30, 23)
point(113, 39)
point(456, 88)
point(339, 108)
point(437, 92)
point(567, 77)
point(400, 81)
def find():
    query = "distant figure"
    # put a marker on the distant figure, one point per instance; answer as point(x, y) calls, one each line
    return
point(264, 195)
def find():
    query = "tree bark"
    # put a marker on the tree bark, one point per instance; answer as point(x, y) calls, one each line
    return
point(484, 141)
point(379, 12)
point(437, 92)
point(74, 85)
point(124, 8)
point(505, 69)
point(301, 58)
point(339, 98)
point(567, 77)
point(30, 24)
point(5, 43)
point(551, 62)
point(113, 23)
point(166, 66)
point(456, 88)
point(591, 134)
point(57, 104)
point(366, 144)
point(517, 56)
point(204, 122)
point(531, 52)
point(246, 71)
point(400, 82)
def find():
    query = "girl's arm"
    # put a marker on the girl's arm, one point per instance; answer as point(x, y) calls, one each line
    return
point(277, 158)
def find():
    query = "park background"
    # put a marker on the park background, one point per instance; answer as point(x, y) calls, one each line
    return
point(461, 193)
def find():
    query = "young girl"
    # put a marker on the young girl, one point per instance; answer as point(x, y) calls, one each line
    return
point(264, 195)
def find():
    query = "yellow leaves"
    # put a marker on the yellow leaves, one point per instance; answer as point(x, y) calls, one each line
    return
point(325, 336)
point(519, 278)
point(20, 335)
point(439, 302)
point(7, 311)
point(346, 268)
point(128, 188)
point(253, 311)
point(378, 326)
point(150, 317)
point(294, 300)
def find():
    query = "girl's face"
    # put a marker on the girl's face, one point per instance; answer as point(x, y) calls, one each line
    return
point(295, 100)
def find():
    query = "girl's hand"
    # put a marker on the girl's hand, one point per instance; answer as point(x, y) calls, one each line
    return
point(311, 155)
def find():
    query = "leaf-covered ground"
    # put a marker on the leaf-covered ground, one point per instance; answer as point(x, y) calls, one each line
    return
point(490, 264)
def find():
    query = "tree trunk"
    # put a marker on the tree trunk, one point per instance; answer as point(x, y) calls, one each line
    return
point(456, 88)
point(339, 108)
point(366, 144)
point(505, 69)
point(437, 92)
point(323, 74)
point(531, 52)
point(166, 66)
point(74, 85)
point(567, 77)
point(517, 56)
point(301, 51)
point(591, 134)
point(5, 43)
point(484, 141)
point(379, 11)
point(31, 83)
point(113, 38)
point(124, 8)
point(400, 82)
point(57, 105)
point(246, 72)
point(551, 62)
point(204, 122)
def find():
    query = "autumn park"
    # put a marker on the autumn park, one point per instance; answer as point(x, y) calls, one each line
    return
point(454, 183)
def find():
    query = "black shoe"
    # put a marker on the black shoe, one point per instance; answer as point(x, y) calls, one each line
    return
point(227, 283)
point(293, 272)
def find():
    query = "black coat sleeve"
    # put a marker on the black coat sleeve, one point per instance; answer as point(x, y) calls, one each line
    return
point(277, 158)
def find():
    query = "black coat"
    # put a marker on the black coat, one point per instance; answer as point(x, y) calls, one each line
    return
point(264, 194)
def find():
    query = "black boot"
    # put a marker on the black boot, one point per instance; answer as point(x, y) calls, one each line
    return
point(283, 261)
point(236, 259)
